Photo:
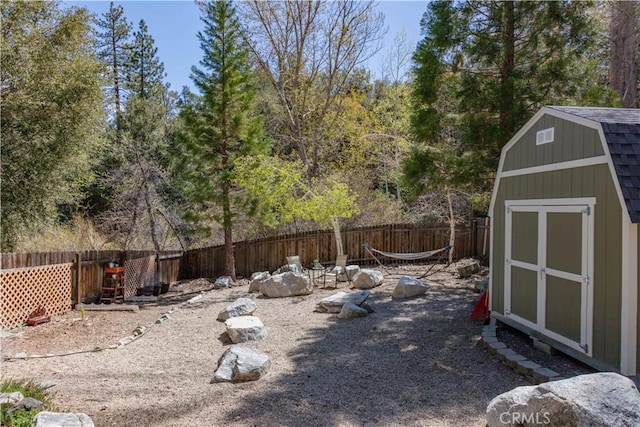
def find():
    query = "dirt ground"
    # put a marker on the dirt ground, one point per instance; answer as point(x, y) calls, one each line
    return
point(417, 361)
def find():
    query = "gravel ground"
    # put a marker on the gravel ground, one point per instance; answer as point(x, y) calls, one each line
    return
point(415, 362)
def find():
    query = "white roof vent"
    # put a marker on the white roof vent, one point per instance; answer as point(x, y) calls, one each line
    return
point(544, 136)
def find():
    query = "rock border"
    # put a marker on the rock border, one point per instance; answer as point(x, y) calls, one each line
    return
point(532, 371)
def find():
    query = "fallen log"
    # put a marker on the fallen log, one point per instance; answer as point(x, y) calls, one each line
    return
point(109, 307)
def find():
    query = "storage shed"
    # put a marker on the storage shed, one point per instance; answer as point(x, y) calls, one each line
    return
point(565, 250)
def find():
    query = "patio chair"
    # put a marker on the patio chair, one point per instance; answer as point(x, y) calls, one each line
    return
point(340, 268)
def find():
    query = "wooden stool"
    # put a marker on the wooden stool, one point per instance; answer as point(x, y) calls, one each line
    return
point(113, 285)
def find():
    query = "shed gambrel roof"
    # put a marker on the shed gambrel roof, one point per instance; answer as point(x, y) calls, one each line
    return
point(621, 128)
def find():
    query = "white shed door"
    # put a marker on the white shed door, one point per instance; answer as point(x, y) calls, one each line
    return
point(548, 266)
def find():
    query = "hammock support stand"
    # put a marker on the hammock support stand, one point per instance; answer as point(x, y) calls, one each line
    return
point(405, 256)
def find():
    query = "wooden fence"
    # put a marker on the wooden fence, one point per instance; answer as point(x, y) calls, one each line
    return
point(87, 280)
point(24, 285)
point(270, 253)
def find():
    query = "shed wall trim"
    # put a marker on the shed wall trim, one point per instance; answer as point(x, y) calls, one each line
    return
point(591, 161)
point(629, 307)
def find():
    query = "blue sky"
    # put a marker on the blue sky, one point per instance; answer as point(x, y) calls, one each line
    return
point(174, 24)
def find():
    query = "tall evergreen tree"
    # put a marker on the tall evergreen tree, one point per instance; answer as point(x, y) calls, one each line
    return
point(144, 71)
point(624, 72)
point(51, 113)
point(113, 51)
point(497, 62)
point(219, 124)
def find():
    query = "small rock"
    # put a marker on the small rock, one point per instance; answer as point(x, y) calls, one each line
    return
point(240, 363)
point(350, 311)
point(58, 419)
point(245, 328)
point(223, 282)
point(240, 307)
point(11, 398)
point(27, 403)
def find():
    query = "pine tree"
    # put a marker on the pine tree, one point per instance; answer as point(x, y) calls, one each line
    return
point(482, 69)
point(219, 124)
point(113, 51)
point(144, 72)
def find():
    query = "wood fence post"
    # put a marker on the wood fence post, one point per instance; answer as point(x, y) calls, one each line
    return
point(473, 238)
point(487, 224)
point(78, 261)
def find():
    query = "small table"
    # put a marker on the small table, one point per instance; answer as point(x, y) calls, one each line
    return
point(315, 274)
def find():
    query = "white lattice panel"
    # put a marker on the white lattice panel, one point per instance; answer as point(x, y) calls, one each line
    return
point(138, 273)
point(22, 290)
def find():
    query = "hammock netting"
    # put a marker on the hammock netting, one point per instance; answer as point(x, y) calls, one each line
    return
point(407, 256)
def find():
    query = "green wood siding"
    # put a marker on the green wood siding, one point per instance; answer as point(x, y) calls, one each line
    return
point(572, 141)
point(524, 239)
point(524, 295)
point(563, 304)
point(564, 242)
point(589, 181)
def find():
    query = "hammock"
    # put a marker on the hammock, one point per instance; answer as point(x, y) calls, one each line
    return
point(406, 256)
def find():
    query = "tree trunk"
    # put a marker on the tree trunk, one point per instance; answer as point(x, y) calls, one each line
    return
point(452, 225)
point(336, 231)
point(229, 257)
point(623, 69)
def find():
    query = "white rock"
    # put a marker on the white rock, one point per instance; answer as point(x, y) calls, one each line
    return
point(245, 328)
point(409, 287)
point(350, 310)
point(257, 279)
point(366, 279)
point(11, 398)
point(223, 282)
point(286, 285)
point(350, 272)
point(240, 307)
point(334, 303)
point(241, 363)
point(62, 419)
point(601, 399)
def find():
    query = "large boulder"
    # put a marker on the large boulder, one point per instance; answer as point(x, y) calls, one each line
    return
point(334, 303)
point(366, 279)
point(257, 279)
point(349, 272)
point(286, 285)
point(594, 400)
point(58, 419)
point(240, 307)
point(245, 328)
point(409, 287)
point(241, 363)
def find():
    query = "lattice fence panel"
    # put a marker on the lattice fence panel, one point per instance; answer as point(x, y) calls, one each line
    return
point(22, 290)
point(138, 273)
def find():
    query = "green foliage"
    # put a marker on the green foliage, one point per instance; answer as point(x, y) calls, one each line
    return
point(23, 417)
point(481, 71)
point(282, 195)
point(51, 110)
point(219, 125)
point(144, 72)
point(112, 51)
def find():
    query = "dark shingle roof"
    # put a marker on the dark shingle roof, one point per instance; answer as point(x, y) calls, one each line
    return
point(603, 115)
point(621, 128)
